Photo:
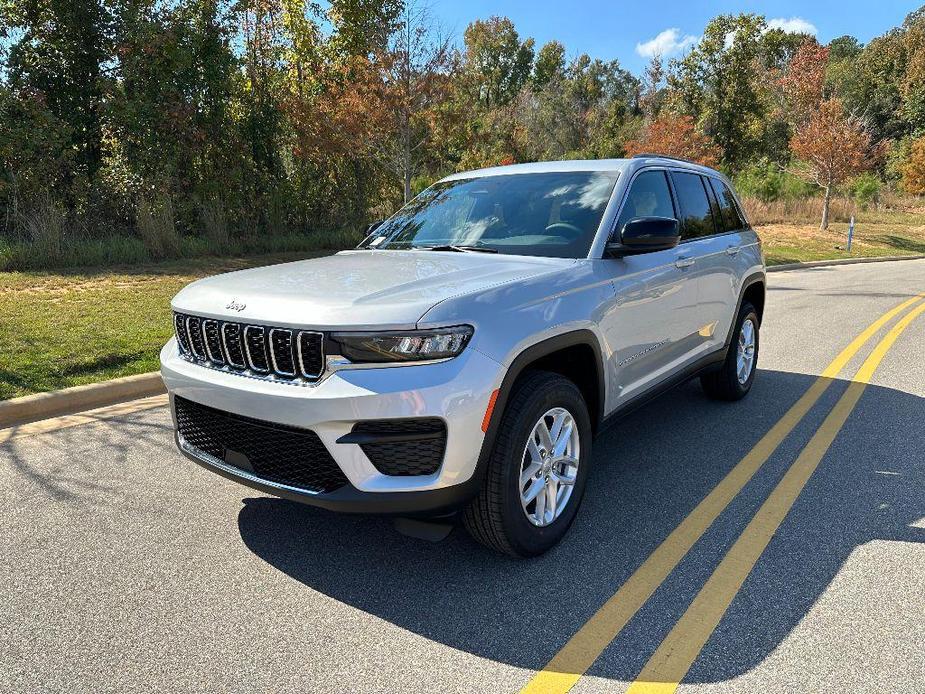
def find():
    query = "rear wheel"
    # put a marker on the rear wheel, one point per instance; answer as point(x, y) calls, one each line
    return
point(734, 379)
point(537, 470)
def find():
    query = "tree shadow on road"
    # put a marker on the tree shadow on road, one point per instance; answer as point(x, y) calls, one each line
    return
point(650, 470)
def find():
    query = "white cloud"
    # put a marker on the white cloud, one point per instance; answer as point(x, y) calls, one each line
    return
point(794, 25)
point(666, 43)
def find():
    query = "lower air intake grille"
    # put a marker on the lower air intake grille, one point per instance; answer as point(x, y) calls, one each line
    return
point(407, 446)
point(273, 452)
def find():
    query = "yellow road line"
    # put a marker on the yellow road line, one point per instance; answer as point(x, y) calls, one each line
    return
point(674, 657)
point(45, 426)
point(579, 653)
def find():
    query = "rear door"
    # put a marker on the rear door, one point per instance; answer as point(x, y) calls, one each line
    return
point(704, 241)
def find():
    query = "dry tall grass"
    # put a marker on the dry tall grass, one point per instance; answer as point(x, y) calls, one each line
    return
point(156, 227)
point(797, 211)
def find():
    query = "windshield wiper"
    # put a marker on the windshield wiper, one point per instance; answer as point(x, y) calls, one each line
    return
point(457, 249)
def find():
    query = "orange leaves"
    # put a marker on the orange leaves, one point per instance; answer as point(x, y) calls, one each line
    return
point(913, 169)
point(675, 136)
point(833, 144)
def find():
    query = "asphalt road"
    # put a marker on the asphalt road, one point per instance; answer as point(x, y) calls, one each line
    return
point(127, 568)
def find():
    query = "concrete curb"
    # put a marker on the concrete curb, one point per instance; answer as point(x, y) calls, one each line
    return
point(841, 261)
point(32, 408)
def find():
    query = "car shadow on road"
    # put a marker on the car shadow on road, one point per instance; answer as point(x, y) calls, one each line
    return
point(649, 471)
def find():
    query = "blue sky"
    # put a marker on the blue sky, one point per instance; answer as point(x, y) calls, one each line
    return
point(613, 28)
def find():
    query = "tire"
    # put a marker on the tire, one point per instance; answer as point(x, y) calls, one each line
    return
point(497, 517)
point(725, 383)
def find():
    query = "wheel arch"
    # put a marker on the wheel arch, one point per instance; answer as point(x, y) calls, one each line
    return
point(566, 354)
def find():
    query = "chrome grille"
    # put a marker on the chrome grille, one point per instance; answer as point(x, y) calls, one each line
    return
point(234, 348)
point(251, 350)
point(281, 357)
point(255, 346)
point(194, 329)
point(311, 353)
point(213, 340)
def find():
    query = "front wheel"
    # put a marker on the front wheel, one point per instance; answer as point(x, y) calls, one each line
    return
point(734, 379)
point(537, 469)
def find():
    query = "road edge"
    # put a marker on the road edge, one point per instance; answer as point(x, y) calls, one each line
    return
point(841, 261)
point(56, 403)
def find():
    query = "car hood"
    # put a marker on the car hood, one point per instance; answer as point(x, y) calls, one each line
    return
point(357, 289)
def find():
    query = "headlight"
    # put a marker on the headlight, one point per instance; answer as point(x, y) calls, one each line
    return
point(413, 345)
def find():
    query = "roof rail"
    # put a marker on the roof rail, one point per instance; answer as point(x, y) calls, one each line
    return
point(652, 155)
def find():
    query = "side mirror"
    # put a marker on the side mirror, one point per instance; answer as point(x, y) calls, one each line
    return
point(646, 235)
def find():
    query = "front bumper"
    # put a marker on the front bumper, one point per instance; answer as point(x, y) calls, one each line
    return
point(456, 391)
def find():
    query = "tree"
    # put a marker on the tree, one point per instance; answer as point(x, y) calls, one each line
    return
point(496, 62)
point(724, 83)
point(413, 73)
point(650, 98)
point(803, 82)
point(913, 169)
point(675, 136)
point(832, 146)
point(549, 65)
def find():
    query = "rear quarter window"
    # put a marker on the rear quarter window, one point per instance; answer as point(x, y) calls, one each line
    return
point(731, 220)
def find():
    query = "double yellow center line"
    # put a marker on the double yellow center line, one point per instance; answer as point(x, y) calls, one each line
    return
point(680, 648)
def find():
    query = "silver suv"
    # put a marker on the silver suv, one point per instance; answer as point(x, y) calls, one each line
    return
point(462, 358)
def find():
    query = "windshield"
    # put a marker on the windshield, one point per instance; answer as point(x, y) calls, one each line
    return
point(546, 214)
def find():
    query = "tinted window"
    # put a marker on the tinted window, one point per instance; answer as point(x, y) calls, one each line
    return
point(727, 206)
point(696, 217)
point(649, 196)
point(547, 214)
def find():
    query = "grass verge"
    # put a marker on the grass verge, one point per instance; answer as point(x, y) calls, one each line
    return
point(789, 243)
point(60, 329)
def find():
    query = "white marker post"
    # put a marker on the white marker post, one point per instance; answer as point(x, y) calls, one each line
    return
point(850, 232)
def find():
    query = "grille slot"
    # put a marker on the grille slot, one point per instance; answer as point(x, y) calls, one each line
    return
point(254, 350)
point(234, 349)
point(213, 340)
point(311, 354)
point(179, 326)
point(273, 452)
point(194, 328)
point(281, 352)
point(255, 345)
point(403, 447)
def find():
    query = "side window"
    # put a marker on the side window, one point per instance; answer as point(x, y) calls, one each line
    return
point(696, 216)
point(727, 206)
point(649, 196)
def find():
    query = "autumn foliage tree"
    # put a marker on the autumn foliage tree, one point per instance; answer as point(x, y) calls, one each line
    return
point(831, 146)
point(913, 170)
point(675, 136)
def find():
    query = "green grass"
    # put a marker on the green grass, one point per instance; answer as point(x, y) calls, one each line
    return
point(60, 329)
point(785, 243)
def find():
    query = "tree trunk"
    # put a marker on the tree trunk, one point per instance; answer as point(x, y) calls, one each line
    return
point(827, 198)
point(406, 158)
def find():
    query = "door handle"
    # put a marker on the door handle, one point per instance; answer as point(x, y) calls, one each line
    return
point(732, 250)
point(683, 262)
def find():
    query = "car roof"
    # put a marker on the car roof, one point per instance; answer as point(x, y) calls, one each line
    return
point(592, 165)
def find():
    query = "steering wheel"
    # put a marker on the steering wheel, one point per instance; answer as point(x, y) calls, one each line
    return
point(569, 231)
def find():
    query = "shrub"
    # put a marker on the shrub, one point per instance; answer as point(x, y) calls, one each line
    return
point(866, 190)
point(768, 182)
point(214, 224)
point(44, 227)
point(156, 227)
